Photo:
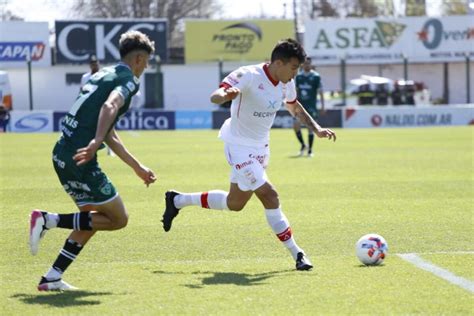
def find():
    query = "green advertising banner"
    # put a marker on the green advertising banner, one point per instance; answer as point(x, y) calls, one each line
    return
point(234, 40)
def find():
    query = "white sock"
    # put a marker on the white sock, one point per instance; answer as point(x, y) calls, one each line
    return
point(281, 227)
point(52, 220)
point(214, 199)
point(53, 274)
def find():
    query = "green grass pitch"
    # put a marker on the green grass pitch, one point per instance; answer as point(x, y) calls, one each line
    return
point(412, 186)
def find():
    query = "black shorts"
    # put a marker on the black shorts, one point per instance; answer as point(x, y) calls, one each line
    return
point(86, 184)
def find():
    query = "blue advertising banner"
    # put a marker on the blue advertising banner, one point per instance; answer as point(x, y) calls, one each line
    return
point(31, 121)
point(147, 120)
point(57, 120)
point(133, 120)
point(193, 120)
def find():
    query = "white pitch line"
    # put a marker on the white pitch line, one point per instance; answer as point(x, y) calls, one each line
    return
point(439, 272)
point(134, 133)
point(460, 252)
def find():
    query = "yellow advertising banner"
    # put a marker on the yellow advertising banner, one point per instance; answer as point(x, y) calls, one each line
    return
point(234, 40)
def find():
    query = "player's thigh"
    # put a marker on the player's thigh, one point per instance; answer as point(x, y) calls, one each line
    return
point(268, 195)
point(237, 198)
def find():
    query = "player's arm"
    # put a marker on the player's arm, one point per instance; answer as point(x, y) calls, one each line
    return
point(298, 111)
point(107, 115)
point(224, 94)
point(115, 143)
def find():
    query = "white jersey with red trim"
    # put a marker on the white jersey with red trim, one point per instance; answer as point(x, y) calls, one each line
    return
point(254, 109)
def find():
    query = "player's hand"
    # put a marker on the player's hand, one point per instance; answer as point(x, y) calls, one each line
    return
point(326, 133)
point(146, 174)
point(85, 154)
point(231, 93)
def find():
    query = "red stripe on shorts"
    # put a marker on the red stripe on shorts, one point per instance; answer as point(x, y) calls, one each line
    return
point(204, 202)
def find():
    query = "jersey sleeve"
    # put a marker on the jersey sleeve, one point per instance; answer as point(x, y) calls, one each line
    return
point(291, 92)
point(126, 87)
point(239, 78)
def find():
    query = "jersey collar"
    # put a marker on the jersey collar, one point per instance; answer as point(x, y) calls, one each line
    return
point(120, 63)
point(273, 81)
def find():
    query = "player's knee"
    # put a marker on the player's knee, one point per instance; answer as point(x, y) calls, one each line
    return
point(235, 206)
point(121, 222)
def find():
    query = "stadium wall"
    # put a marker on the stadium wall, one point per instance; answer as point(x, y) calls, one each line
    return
point(189, 86)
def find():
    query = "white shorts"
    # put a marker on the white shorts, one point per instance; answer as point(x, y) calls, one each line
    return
point(248, 165)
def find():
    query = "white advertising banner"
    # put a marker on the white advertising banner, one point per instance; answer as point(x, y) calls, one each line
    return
point(387, 40)
point(22, 41)
point(31, 121)
point(406, 116)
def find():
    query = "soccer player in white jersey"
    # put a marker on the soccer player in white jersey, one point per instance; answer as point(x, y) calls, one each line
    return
point(257, 93)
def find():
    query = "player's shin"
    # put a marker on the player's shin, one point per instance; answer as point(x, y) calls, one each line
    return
point(281, 227)
point(214, 199)
point(66, 256)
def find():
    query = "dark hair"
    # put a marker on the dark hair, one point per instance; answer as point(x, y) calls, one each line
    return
point(135, 40)
point(287, 49)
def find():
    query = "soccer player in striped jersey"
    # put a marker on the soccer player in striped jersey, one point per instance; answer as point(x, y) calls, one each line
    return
point(90, 123)
point(257, 93)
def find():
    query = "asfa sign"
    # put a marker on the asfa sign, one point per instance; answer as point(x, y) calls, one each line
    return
point(76, 41)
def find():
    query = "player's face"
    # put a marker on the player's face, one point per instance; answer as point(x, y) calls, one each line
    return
point(307, 65)
point(94, 67)
point(141, 60)
point(287, 71)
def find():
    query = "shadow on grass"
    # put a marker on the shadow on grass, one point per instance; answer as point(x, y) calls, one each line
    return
point(219, 278)
point(61, 299)
point(369, 266)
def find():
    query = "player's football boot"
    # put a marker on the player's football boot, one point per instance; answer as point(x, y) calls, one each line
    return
point(310, 153)
point(302, 151)
point(54, 285)
point(171, 210)
point(302, 262)
point(37, 229)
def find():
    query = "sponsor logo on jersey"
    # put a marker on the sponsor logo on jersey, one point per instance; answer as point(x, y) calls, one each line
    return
point(61, 164)
point(243, 165)
point(250, 176)
point(263, 114)
point(131, 86)
point(275, 105)
point(259, 158)
point(233, 81)
point(70, 121)
point(21, 51)
point(79, 186)
point(106, 189)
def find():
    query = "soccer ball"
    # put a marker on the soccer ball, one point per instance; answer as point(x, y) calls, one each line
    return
point(371, 249)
